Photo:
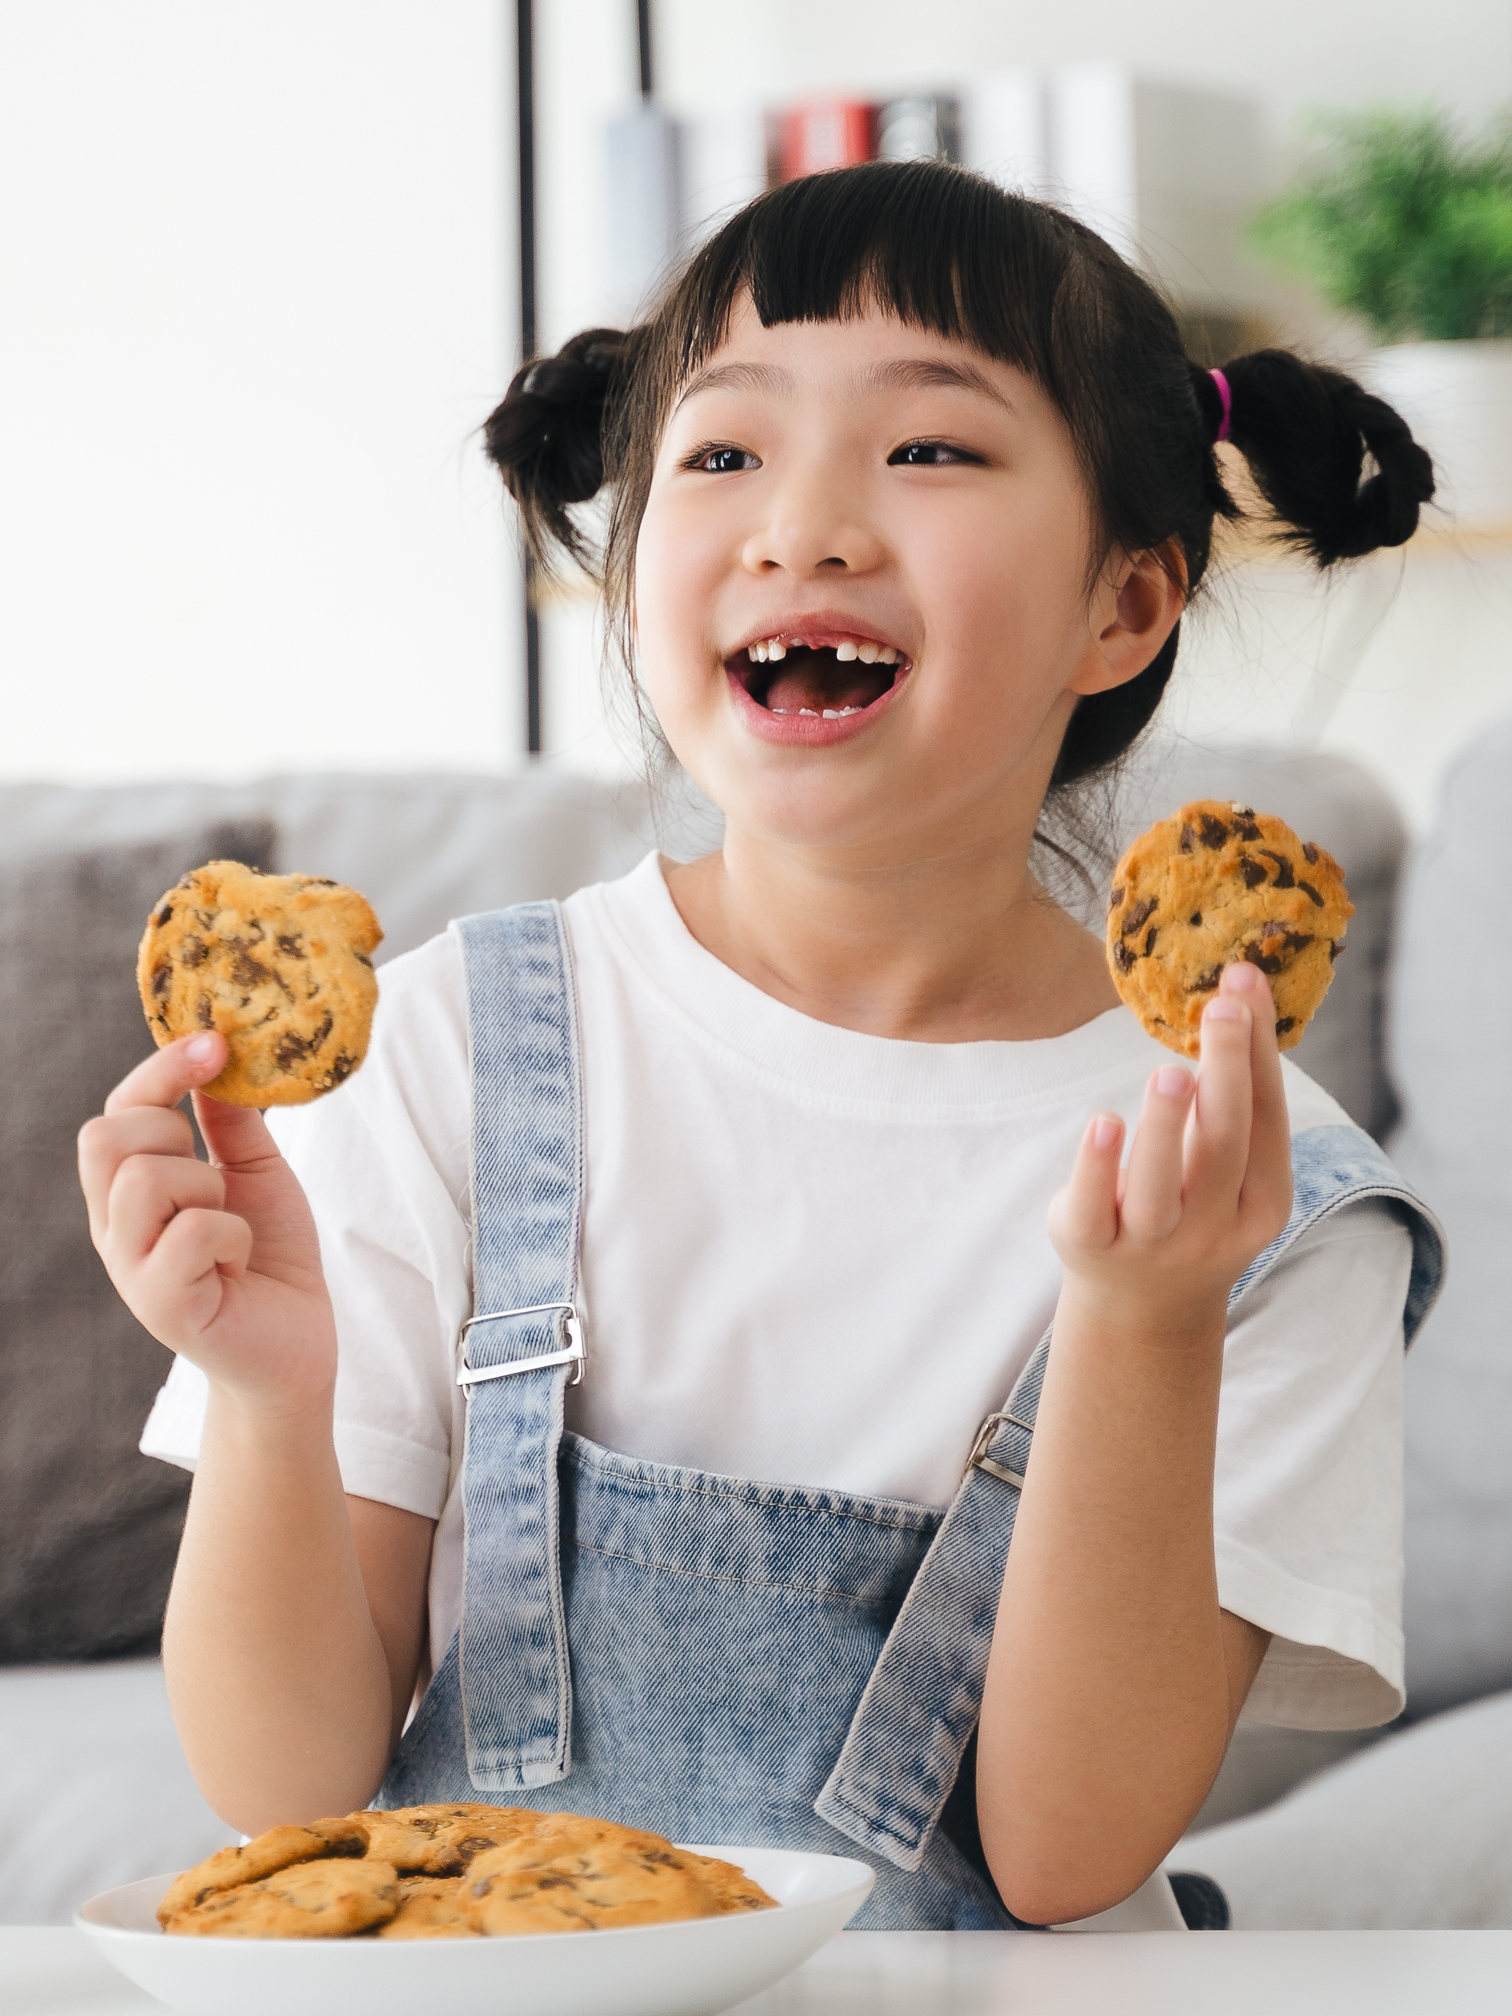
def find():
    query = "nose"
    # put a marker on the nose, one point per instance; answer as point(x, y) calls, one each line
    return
point(813, 524)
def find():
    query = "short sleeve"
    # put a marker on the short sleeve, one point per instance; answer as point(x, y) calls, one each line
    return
point(1307, 1510)
point(385, 1166)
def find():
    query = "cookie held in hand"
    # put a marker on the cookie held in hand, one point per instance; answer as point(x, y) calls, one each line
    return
point(1212, 884)
point(281, 965)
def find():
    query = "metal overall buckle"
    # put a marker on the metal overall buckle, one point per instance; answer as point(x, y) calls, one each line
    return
point(574, 1353)
point(980, 1460)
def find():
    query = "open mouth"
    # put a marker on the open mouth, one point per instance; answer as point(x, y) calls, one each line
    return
point(829, 678)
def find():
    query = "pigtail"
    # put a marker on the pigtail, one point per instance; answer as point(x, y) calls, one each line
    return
point(1305, 431)
point(547, 436)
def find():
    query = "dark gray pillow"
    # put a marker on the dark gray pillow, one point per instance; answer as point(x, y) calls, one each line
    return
point(91, 1526)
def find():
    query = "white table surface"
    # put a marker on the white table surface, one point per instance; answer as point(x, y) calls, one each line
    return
point(51, 1972)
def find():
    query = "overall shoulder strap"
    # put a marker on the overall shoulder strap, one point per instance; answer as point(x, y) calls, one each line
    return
point(522, 1344)
point(903, 1750)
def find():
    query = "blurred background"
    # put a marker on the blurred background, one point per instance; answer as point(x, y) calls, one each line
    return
point(262, 282)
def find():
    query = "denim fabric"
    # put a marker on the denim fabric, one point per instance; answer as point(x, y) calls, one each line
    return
point(722, 1634)
point(527, 1192)
point(748, 1662)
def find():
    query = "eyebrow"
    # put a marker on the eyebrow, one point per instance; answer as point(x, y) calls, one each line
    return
point(920, 374)
point(738, 378)
point(905, 374)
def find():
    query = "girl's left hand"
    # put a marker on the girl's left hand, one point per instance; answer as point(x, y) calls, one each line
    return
point(1159, 1244)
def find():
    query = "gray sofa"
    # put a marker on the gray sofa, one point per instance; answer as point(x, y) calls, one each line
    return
point(84, 1813)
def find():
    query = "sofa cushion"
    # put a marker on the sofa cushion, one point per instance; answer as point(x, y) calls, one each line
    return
point(91, 1526)
point(423, 849)
point(1451, 1060)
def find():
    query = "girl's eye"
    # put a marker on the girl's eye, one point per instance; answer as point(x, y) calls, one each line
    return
point(929, 455)
point(723, 461)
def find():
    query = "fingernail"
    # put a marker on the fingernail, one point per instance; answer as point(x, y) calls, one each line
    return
point(1226, 1011)
point(1171, 1080)
point(1241, 974)
point(199, 1049)
point(1104, 1131)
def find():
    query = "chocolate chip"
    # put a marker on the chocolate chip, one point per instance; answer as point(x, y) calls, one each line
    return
point(1268, 962)
point(1136, 917)
point(1213, 831)
point(1115, 899)
point(1252, 871)
point(204, 1013)
point(194, 952)
point(162, 981)
point(1309, 849)
point(247, 972)
point(1244, 823)
point(1123, 958)
point(1286, 1022)
point(1206, 982)
point(165, 913)
point(321, 1032)
point(1284, 877)
point(1295, 940)
point(290, 1050)
point(1188, 839)
point(1335, 947)
point(1195, 918)
point(290, 944)
point(343, 1067)
point(1150, 936)
point(1308, 890)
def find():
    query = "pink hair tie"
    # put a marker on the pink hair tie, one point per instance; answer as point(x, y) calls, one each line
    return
point(1228, 404)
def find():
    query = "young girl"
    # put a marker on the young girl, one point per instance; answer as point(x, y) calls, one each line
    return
point(819, 1140)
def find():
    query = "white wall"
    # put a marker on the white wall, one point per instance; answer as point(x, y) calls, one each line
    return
point(1289, 53)
point(258, 265)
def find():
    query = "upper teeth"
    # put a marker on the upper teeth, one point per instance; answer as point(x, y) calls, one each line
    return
point(847, 649)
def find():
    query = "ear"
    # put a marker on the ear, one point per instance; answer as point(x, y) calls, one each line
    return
point(1136, 606)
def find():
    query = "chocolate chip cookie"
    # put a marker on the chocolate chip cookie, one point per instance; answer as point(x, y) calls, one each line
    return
point(310, 1900)
point(730, 1887)
point(281, 965)
point(582, 1879)
point(279, 1848)
point(430, 1907)
point(1212, 884)
point(441, 1840)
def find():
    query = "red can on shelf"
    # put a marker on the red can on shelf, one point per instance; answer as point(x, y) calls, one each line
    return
point(826, 133)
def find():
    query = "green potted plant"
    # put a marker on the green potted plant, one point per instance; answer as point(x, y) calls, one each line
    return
point(1406, 222)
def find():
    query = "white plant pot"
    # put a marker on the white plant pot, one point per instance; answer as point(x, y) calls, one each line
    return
point(1457, 399)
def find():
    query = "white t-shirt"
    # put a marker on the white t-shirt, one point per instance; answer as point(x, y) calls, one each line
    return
point(819, 1258)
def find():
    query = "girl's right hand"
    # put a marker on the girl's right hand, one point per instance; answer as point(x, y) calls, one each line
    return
point(219, 1259)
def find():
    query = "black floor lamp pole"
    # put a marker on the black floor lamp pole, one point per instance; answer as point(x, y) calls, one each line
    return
point(525, 82)
point(643, 43)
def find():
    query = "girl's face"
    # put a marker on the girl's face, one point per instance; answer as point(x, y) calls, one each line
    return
point(861, 588)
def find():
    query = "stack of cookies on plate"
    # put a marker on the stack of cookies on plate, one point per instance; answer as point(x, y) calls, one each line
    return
point(450, 1872)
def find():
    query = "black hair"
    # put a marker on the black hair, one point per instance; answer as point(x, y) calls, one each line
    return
point(1023, 282)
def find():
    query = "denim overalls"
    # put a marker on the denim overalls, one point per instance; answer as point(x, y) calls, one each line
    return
point(718, 1659)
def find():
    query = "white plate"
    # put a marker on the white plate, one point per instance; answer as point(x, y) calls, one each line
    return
point(688, 1969)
